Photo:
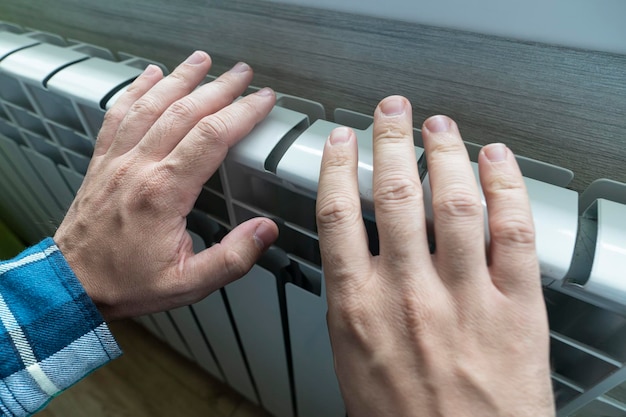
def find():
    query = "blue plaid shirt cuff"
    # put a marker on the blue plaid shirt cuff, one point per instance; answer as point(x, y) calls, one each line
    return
point(51, 333)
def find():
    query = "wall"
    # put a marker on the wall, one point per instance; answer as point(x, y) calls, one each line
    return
point(559, 105)
point(584, 24)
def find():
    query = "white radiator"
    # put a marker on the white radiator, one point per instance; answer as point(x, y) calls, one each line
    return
point(265, 335)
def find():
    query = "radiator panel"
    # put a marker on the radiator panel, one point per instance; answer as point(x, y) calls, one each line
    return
point(216, 324)
point(199, 346)
point(256, 309)
point(313, 369)
point(49, 116)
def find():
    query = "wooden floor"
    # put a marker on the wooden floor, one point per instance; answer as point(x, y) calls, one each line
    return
point(152, 380)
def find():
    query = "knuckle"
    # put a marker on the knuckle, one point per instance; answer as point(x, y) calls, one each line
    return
point(119, 179)
point(132, 88)
point(513, 230)
point(113, 116)
point(247, 107)
point(229, 86)
point(336, 208)
point(124, 130)
point(214, 127)
point(414, 316)
point(147, 106)
point(504, 181)
point(221, 86)
point(454, 204)
point(338, 159)
point(234, 264)
point(417, 314)
point(146, 197)
point(220, 82)
point(135, 87)
point(179, 76)
point(352, 319)
point(352, 310)
point(443, 146)
point(424, 312)
point(183, 109)
point(150, 192)
point(397, 189)
point(393, 132)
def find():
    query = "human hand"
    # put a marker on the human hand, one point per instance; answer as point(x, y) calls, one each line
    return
point(462, 332)
point(125, 233)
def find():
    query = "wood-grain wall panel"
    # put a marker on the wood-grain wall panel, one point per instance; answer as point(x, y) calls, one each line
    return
point(558, 105)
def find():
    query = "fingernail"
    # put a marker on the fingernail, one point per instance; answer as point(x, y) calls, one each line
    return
point(437, 124)
point(240, 67)
point(495, 152)
point(266, 91)
point(339, 136)
point(196, 58)
point(151, 70)
point(393, 106)
point(264, 235)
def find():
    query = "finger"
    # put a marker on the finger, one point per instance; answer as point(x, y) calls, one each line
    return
point(457, 208)
point(343, 240)
point(201, 152)
point(184, 113)
point(233, 257)
point(397, 188)
point(146, 110)
point(513, 257)
point(114, 116)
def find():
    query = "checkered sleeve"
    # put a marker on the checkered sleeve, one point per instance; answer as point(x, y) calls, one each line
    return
point(51, 334)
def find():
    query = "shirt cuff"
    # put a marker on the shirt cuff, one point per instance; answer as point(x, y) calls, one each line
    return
point(51, 333)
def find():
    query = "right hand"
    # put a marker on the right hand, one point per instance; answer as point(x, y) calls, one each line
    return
point(462, 332)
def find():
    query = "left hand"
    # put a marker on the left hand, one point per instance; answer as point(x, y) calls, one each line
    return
point(125, 234)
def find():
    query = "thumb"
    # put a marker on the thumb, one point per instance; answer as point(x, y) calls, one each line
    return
point(234, 256)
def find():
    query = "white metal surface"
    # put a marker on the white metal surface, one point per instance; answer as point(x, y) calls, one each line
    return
point(10, 42)
point(50, 175)
point(21, 203)
point(555, 212)
point(37, 63)
point(92, 81)
point(43, 204)
point(172, 336)
point(313, 365)
point(190, 332)
point(216, 325)
point(255, 306)
point(608, 271)
point(255, 148)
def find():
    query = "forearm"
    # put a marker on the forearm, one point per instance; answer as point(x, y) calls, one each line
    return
point(51, 333)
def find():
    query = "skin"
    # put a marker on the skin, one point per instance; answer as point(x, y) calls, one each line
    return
point(125, 233)
point(462, 332)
